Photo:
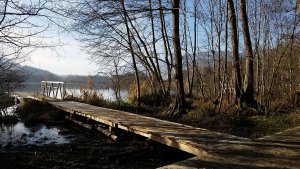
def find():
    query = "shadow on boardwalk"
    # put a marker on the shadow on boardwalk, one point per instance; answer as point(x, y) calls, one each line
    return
point(281, 150)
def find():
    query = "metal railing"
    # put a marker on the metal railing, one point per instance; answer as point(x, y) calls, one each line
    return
point(55, 87)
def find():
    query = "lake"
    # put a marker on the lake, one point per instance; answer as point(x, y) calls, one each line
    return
point(74, 89)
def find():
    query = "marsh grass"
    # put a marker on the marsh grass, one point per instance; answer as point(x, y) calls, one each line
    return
point(88, 95)
point(34, 112)
point(150, 101)
point(148, 96)
point(248, 123)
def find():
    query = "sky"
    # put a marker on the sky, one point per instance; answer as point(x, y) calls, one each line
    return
point(68, 59)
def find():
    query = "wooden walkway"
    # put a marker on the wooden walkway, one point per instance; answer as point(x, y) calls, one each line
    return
point(212, 149)
point(281, 150)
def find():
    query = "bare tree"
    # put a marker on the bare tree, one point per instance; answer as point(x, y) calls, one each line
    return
point(133, 57)
point(179, 106)
point(248, 93)
point(167, 52)
point(194, 50)
point(19, 34)
point(235, 52)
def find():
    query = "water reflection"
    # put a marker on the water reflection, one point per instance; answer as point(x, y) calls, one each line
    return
point(108, 94)
point(19, 134)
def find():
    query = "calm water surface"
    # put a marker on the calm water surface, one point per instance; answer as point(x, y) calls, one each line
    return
point(19, 134)
point(74, 89)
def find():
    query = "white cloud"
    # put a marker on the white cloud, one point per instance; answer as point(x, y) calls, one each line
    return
point(66, 59)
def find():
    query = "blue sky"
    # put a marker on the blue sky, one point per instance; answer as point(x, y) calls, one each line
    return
point(69, 58)
point(66, 59)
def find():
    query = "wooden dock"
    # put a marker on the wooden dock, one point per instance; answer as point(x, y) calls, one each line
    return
point(211, 149)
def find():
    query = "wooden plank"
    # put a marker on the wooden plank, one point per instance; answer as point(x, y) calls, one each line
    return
point(213, 149)
point(183, 137)
point(263, 157)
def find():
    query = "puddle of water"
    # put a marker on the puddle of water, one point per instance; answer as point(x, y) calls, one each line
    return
point(19, 134)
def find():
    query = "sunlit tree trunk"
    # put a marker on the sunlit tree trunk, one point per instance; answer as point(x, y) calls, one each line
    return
point(248, 93)
point(235, 52)
point(185, 39)
point(213, 52)
point(179, 106)
point(194, 50)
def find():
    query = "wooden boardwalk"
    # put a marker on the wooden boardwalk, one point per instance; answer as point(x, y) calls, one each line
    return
point(212, 149)
point(280, 150)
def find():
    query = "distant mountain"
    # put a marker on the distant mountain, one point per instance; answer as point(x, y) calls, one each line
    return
point(36, 71)
point(37, 75)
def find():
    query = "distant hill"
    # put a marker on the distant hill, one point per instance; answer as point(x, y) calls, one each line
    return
point(37, 75)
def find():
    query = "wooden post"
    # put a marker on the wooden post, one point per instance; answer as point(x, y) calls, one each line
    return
point(61, 96)
point(49, 89)
point(52, 89)
point(58, 86)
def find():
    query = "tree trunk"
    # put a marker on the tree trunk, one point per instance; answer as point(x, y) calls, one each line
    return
point(159, 78)
point(226, 77)
point(213, 52)
point(235, 52)
point(186, 47)
point(248, 94)
point(179, 106)
point(195, 49)
point(132, 55)
point(165, 39)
